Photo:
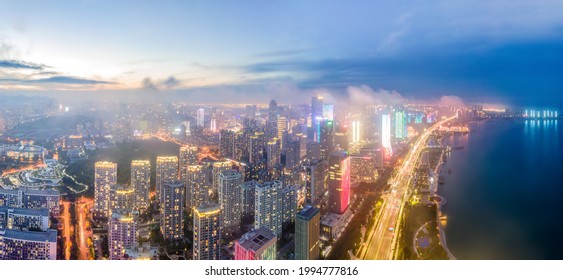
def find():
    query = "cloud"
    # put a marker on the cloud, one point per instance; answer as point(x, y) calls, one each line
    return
point(148, 84)
point(19, 64)
point(58, 80)
point(282, 53)
point(171, 82)
point(362, 95)
point(451, 101)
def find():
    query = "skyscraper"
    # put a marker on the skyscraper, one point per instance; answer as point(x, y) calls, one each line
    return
point(400, 125)
point(314, 184)
point(327, 139)
point(227, 144)
point(187, 157)
point(289, 204)
point(105, 175)
point(307, 228)
point(316, 116)
point(172, 210)
point(121, 197)
point(207, 233)
point(122, 232)
point(230, 199)
point(257, 244)
point(268, 206)
point(197, 187)
point(273, 153)
point(140, 181)
point(386, 136)
point(248, 190)
point(166, 170)
point(281, 128)
point(200, 117)
point(339, 182)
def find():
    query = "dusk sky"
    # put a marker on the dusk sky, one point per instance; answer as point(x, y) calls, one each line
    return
point(482, 51)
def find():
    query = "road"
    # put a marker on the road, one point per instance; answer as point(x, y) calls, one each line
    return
point(66, 229)
point(82, 207)
point(382, 237)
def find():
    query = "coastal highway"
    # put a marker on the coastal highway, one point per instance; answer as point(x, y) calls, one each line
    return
point(382, 237)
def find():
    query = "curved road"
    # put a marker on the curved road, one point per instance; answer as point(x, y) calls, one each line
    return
point(382, 238)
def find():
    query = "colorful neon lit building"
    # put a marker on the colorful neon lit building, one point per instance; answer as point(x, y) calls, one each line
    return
point(257, 244)
point(339, 182)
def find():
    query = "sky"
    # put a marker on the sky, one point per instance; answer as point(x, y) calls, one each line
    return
point(480, 51)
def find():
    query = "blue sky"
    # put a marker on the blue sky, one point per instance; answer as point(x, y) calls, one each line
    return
point(491, 51)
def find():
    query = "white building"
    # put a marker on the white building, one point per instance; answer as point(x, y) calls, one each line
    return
point(268, 206)
point(207, 233)
point(200, 117)
point(122, 233)
point(105, 175)
point(230, 199)
point(166, 170)
point(140, 181)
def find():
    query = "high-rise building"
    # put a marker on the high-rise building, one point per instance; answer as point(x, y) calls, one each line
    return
point(248, 190)
point(307, 231)
point(122, 233)
point(289, 204)
point(316, 116)
point(268, 206)
point(257, 244)
point(314, 184)
point(356, 132)
point(218, 168)
point(166, 170)
point(273, 153)
point(281, 127)
point(339, 182)
point(227, 144)
point(313, 151)
point(327, 139)
point(386, 136)
point(400, 125)
point(230, 199)
point(207, 233)
point(292, 153)
point(172, 210)
point(28, 245)
point(105, 175)
point(197, 187)
point(121, 197)
point(140, 181)
point(200, 117)
point(256, 147)
point(328, 112)
point(187, 157)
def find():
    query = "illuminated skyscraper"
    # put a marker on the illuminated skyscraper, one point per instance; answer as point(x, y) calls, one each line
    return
point(356, 132)
point(207, 233)
point(187, 157)
point(316, 117)
point(257, 244)
point(327, 139)
point(400, 125)
point(307, 229)
point(315, 173)
point(218, 168)
point(172, 210)
point(289, 204)
point(282, 126)
point(248, 190)
point(122, 232)
point(273, 153)
point(256, 147)
point(122, 197)
point(268, 206)
point(339, 182)
point(230, 199)
point(140, 181)
point(328, 112)
point(386, 136)
point(166, 170)
point(200, 117)
point(197, 187)
point(105, 175)
point(227, 144)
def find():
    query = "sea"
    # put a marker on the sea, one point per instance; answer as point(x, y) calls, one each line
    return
point(504, 190)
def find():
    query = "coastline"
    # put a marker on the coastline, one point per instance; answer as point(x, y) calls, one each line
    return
point(441, 201)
